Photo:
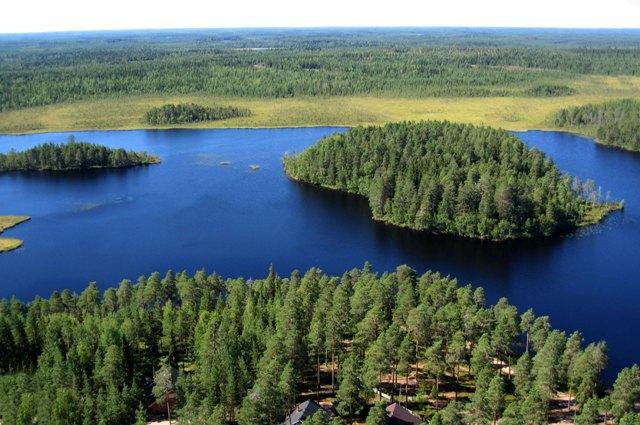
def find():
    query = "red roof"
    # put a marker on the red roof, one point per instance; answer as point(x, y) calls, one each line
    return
point(401, 416)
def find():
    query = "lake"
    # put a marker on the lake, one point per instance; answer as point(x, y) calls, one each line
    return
point(192, 212)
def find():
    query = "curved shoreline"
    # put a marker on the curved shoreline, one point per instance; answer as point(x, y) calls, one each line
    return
point(8, 222)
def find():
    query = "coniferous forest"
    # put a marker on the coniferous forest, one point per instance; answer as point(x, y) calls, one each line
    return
point(184, 113)
point(72, 156)
point(615, 123)
point(307, 62)
point(206, 349)
point(217, 351)
point(448, 178)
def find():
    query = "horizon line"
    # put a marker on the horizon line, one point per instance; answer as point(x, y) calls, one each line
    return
point(319, 27)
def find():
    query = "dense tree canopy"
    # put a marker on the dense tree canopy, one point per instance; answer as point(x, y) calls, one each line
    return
point(322, 62)
point(72, 156)
point(615, 123)
point(184, 113)
point(245, 351)
point(446, 178)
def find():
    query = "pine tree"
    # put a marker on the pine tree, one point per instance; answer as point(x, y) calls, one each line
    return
point(523, 380)
point(626, 391)
point(141, 415)
point(589, 414)
point(377, 415)
point(495, 397)
point(349, 398)
point(436, 366)
point(450, 415)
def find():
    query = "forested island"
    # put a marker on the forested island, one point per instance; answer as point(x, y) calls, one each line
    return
point(451, 178)
point(550, 90)
point(185, 113)
point(615, 123)
point(72, 155)
point(220, 351)
point(7, 222)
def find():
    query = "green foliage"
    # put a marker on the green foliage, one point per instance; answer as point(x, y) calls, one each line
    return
point(547, 366)
point(286, 63)
point(141, 416)
point(615, 123)
point(446, 178)
point(350, 396)
point(185, 113)
point(377, 415)
point(318, 418)
point(71, 156)
point(523, 379)
point(626, 390)
point(495, 397)
point(450, 415)
point(630, 418)
point(584, 370)
point(550, 90)
point(589, 414)
point(237, 351)
point(534, 408)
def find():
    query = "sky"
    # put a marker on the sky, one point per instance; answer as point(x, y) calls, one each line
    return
point(20, 16)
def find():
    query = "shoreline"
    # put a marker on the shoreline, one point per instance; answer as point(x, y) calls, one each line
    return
point(126, 112)
point(8, 222)
point(123, 129)
point(285, 127)
point(593, 216)
point(154, 161)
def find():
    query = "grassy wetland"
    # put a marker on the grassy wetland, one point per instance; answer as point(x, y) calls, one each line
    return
point(512, 113)
point(7, 222)
point(513, 79)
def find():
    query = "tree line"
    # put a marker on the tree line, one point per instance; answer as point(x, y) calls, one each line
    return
point(72, 155)
point(615, 123)
point(444, 177)
point(245, 351)
point(37, 71)
point(184, 113)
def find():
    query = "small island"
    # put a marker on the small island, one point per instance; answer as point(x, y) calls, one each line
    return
point(7, 222)
point(72, 155)
point(442, 177)
point(615, 123)
point(550, 90)
point(186, 113)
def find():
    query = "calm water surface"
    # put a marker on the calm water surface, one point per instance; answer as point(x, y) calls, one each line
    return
point(192, 212)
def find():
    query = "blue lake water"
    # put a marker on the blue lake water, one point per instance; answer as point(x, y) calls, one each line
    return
point(191, 212)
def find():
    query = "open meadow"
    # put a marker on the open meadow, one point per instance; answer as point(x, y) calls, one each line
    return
point(513, 113)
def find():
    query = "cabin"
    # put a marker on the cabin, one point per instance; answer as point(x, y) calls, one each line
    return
point(156, 408)
point(398, 415)
point(160, 409)
point(303, 411)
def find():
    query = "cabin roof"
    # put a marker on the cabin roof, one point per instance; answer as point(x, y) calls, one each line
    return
point(399, 415)
point(301, 412)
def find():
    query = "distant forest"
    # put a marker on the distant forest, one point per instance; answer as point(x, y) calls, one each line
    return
point(184, 113)
point(72, 155)
point(286, 63)
point(220, 351)
point(448, 178)
point(615, 123)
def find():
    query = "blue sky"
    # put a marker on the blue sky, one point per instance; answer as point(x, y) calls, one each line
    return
point(71, 15)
